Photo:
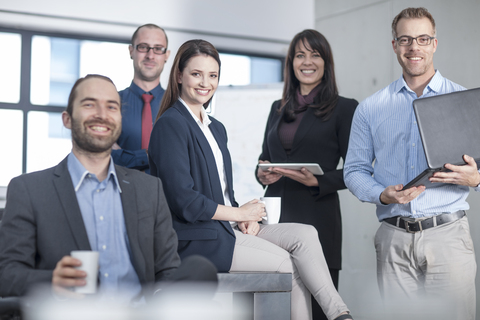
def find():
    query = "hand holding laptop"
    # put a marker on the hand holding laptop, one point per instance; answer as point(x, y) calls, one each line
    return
point(395, 194)
point(465, 175)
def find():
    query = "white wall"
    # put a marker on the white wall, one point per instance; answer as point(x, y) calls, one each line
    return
point(253, 26)
point(359, 32)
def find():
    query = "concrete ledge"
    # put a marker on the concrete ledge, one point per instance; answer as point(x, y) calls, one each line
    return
point(254, 282)
point(265, 295)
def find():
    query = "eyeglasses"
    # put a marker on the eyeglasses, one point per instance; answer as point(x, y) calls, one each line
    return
point(424, 40)
point(143, 47)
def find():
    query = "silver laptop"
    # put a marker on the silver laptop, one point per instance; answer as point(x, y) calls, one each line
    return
point(449, 126)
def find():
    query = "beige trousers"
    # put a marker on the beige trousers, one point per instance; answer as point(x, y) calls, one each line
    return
point(292, 248)
point(429, 273)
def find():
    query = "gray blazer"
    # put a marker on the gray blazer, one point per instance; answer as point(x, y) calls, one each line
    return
point(42, 223)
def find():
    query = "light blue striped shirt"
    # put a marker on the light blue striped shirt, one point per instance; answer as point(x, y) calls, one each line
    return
point(102, 213)
point(385, 130)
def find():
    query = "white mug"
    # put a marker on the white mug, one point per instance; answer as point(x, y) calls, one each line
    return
point(90, 266)
point(273, 207)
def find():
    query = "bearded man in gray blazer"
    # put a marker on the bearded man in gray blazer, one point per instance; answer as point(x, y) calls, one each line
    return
point(88, 203)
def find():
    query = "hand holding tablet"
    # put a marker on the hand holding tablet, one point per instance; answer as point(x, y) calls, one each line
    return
point(314, 168)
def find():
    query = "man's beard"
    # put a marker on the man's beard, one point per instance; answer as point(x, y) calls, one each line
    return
point(85, 142)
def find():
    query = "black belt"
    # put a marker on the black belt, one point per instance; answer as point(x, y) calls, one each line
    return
point(416, 226)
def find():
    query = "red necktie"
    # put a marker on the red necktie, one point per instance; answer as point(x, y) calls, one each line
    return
point(146, 119)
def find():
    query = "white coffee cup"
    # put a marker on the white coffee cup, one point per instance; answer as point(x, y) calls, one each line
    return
point(90, 266)
point(273, 207)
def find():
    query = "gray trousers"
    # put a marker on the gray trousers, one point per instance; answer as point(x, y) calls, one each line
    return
point(293, 248)
point(429, 273)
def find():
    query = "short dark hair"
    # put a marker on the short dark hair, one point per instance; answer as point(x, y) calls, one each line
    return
point(412, 13)
point(150, 26)
point(327, 98)
point(73, 92)
point(188, 50)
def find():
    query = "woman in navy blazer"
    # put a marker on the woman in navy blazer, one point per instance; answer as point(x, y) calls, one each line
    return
point(188, 150)
point(311, 124)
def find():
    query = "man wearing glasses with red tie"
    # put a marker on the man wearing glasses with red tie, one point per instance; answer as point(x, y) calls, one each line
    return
point(141, 101)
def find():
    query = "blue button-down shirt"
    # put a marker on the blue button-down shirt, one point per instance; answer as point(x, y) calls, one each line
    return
point(385, 132)
point(102, 213)
point(132, 155)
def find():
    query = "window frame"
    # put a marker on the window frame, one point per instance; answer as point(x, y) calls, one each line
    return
point(257, 55)
point(24, 103)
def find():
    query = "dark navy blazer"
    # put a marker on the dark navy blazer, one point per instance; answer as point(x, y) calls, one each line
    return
point(180, 155)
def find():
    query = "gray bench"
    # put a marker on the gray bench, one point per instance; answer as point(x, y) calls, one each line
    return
point(266, 294)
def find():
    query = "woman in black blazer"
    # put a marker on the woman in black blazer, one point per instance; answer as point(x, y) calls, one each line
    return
point(188, 151)
point(311, 124)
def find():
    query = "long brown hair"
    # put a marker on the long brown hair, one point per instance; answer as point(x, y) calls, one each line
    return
point(187, 51)
point(327, 98)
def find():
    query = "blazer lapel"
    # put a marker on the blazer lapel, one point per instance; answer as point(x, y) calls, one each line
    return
point(276, 149)
point(67, 197)
point(227, 161)
point(206, 150)
point(210, 160)
point(130, 214)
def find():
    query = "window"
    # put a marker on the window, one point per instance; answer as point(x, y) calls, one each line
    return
point(10, 67)
point(38, 71)
point(58, 62)
point(241, 70)
point(11, 133)
point(48, 141)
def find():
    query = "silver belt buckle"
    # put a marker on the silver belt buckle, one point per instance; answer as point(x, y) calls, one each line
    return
point(407, 228)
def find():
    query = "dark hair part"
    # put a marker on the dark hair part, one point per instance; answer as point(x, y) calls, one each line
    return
point(413, 13)
point(73, 92)
point(150, 26)
point(327, 97)
point(187, 51)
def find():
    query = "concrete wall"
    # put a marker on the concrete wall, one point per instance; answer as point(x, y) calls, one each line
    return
point(359, 32)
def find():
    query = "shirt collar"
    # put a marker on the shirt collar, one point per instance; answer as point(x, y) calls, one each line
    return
point(434, 85)
point(156, 92)
point(78, 172)
point(206, 119)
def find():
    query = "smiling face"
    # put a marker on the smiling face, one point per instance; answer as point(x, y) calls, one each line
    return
point(147, 65)
point(416, 61)
point(308, 67)
point(96, 120)
point(199, 80)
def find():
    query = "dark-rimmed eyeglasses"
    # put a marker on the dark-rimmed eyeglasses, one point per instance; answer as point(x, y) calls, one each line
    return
point(424, 40)
point(143, 47)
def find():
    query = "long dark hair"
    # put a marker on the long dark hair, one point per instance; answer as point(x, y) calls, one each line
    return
point(187, 51)
point(327, 97)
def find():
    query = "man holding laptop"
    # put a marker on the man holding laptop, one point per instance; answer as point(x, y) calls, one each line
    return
point(423, 245)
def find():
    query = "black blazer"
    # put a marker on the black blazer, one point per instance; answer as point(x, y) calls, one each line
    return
point(317, 141)
point(180, 155)
point(42, 223)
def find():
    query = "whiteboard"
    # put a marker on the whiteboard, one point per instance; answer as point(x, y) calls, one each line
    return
point(244, 112)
